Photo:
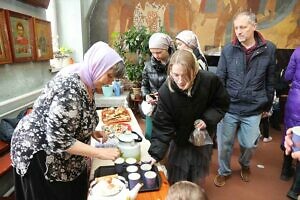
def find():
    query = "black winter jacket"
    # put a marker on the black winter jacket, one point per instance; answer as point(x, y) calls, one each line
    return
point(251, 89)
point(153, 76)
point(176, 112)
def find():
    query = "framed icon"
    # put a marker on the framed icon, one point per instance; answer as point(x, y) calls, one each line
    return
point(43, 39)
point(20, 29)
point(5, 51)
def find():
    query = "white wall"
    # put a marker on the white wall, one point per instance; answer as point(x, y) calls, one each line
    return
point(72, 21)
point(21, 79)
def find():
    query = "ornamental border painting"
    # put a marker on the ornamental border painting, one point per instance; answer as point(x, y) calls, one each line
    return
point(20, 28)
point(43, 40)
point(5, 53)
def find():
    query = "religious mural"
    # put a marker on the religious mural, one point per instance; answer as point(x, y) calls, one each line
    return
point(211, 20)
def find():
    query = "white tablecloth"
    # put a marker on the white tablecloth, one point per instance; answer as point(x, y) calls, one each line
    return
point(145, 144)
point(113, 101)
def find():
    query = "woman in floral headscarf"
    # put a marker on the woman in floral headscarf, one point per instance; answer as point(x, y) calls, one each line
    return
point(188, 40)
point(49, 147)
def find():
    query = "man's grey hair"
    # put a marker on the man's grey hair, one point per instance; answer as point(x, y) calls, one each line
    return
point(251, 16)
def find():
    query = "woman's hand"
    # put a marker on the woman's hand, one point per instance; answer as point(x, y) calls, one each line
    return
point(264, 114)
point(200, 124)
point(288, 144)
point(108, 153)
point(98, 135)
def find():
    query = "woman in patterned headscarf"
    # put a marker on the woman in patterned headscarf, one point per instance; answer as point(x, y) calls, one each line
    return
point(188, 40)
point(49, 147)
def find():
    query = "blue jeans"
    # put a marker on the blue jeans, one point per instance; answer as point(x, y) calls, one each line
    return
point(247, 130)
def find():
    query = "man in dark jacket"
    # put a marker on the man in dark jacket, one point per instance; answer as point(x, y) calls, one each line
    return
point(246, 67)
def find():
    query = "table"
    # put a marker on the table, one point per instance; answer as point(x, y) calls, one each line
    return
point(113, 101)
point(145, 144)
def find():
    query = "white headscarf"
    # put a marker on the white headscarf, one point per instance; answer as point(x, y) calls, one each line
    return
point(160, 41)
point(190, 39)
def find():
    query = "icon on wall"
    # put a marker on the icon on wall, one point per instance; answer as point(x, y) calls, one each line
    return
point(5, 52)
point(43, 40)
point(20, 28)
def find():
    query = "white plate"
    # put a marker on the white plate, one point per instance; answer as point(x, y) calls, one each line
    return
point(102, 191)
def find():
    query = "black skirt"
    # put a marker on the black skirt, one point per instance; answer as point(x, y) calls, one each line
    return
point(189, 162)
point(34, 186)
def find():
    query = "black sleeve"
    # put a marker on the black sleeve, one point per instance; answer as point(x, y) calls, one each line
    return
point(163, 129)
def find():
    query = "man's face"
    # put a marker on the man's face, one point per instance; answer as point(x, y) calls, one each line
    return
point(244, 29)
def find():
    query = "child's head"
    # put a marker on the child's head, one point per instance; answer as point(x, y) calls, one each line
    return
point(186, 190)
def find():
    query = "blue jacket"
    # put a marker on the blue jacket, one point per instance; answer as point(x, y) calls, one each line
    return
point(251, 89)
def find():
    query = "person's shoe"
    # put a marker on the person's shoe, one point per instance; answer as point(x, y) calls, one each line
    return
point(220, 180)
point(268, 139)
point(292, 195)
point(245, 174)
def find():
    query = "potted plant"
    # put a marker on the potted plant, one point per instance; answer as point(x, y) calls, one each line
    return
point(132, 45)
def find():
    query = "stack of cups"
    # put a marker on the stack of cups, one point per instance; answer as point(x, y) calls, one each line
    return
point(133, 176)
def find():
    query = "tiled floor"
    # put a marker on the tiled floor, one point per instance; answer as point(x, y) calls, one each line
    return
point(264, 184)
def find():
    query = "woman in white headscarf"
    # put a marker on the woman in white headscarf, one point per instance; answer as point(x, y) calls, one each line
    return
point(49, 147)
point(188, 40)
point(154, 74)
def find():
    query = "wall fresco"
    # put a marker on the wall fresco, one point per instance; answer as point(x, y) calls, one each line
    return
point(211, 20)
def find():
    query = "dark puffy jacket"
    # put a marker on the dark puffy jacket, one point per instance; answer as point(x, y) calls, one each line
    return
point(292, 106)
point(176, 112)
point(154, 75)
point(251, 89)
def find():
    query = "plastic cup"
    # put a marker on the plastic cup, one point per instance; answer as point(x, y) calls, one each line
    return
point(146, 160)
point(119, 163)
point(296, 138)
point(145, 167)
point(107, 90)
point(132, 169)
point(130, 161)
point(133, 178)
point(150, 179)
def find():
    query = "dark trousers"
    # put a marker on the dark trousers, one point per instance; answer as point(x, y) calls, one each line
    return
point(264, 127)
point(34, 186)
point(296, 184)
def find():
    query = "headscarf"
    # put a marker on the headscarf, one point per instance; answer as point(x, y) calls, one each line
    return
point(96, 62)
point(160, 41)
point(190, 39)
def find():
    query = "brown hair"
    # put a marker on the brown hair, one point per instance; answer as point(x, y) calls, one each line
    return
point(186, 190)
point(187, 59)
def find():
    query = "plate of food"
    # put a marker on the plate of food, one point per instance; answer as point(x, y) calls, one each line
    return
point(115, 115)
point(107, 187)
point(116, 129)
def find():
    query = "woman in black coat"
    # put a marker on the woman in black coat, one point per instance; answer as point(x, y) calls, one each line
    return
point(189, 94)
